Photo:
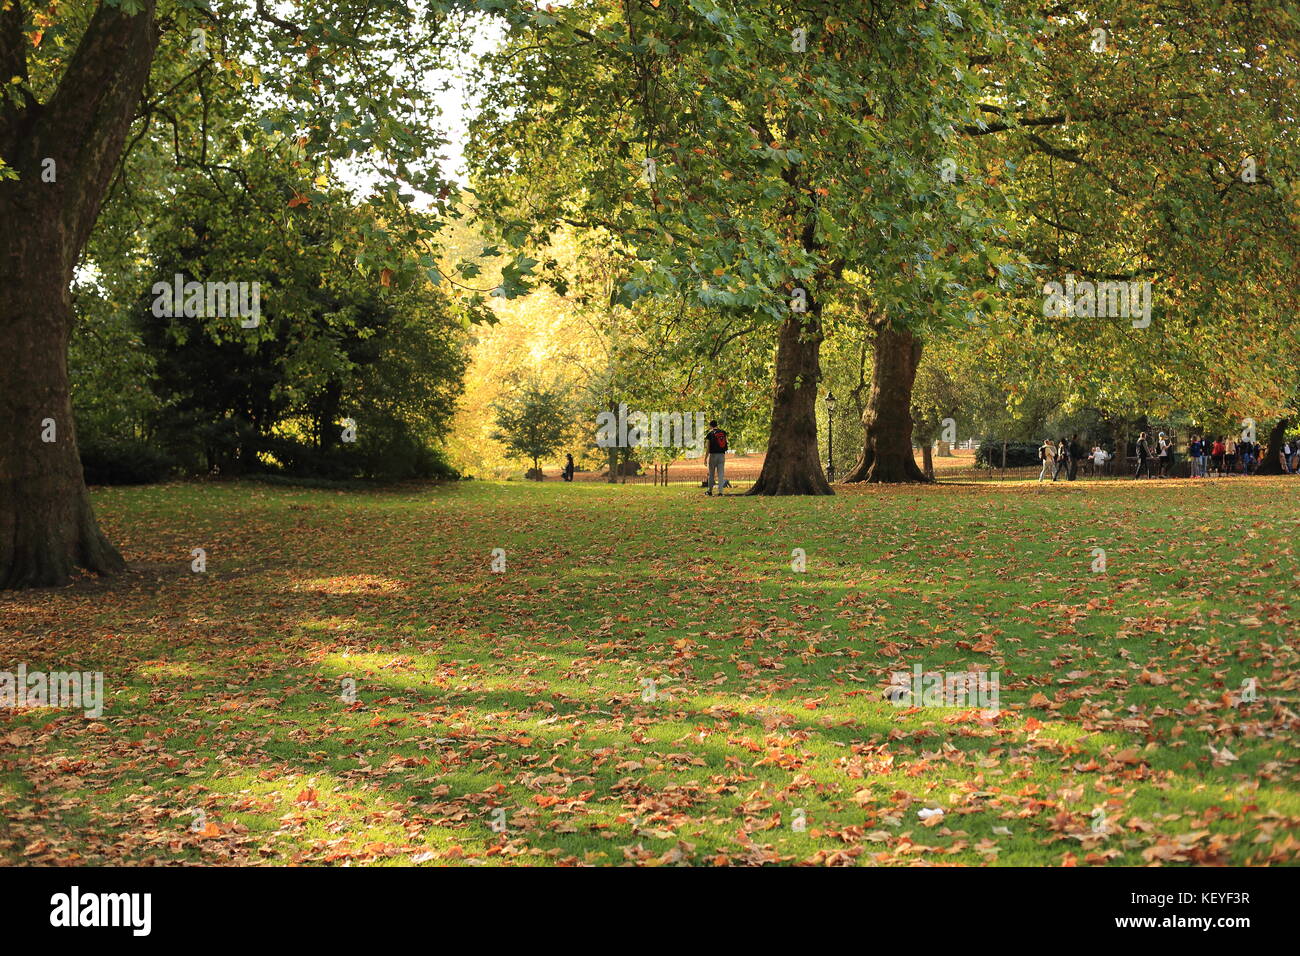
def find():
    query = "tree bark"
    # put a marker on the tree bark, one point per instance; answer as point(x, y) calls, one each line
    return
point(887, 456)
point(47, 525)
point(1269, 463)
point(793, 464)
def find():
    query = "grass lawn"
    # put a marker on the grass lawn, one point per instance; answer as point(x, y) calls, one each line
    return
point(649, 681)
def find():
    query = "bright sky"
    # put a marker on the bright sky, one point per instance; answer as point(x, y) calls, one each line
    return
point(455, 106)
point(455, 112)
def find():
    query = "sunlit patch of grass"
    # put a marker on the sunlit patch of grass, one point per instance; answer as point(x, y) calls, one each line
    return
point(351, 584)
point(163, 670)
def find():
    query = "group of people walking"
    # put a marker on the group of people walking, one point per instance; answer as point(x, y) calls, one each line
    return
point(1162, 453)
point(1223, 455)
point(1206, 455)
point(1066, 455)
point(1226, 456)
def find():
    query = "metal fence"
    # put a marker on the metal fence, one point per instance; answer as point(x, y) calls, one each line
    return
point(1180, 466)
point(739, 470)
point(747, 469)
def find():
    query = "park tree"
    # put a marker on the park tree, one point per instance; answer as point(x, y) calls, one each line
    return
point(1125, 158)
point(86, 83)
point(937, 397)
point(1138, 162)
point(662, 353)
point(534, 421)
point(329, 343)
point(609, 353)
point(762, 159)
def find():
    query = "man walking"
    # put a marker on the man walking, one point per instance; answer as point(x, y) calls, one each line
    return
point(1144, 457)
point(1099, 456)
point(1062, 459)
point(1047, 455)
point(716, 440)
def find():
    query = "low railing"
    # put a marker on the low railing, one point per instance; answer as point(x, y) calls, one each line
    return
point(676, 474)
point(1179, 467)
point(946, 469)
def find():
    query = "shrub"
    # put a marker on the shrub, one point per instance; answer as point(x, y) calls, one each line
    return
point(305, 460)
point(386, 455)
point(123, 461)
point(400, 455)
point(1019, 453)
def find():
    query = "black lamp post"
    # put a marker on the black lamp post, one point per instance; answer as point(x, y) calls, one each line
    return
point(830, 436)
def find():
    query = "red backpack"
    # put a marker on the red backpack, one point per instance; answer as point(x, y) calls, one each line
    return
point(719, 440)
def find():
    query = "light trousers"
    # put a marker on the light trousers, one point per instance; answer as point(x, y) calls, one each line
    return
point(718, 467)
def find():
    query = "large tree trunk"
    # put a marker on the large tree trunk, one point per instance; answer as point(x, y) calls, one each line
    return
point(1269, 464)
point(887, 455)
point(47, 527)
point(793, 465)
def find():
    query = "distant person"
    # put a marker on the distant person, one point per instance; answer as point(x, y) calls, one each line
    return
point(1047, 455)
point(1217, 451)
point(1230, 456)
point(1284, 456)
point(1062, 459)
point(1144, 456)
point(1076, 453)
point(1194, 456)
point(1295, 456)
point(567, 474)
point(1099, 458)
point(1246, 452)
point(1164, 453)
point(716, 440)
